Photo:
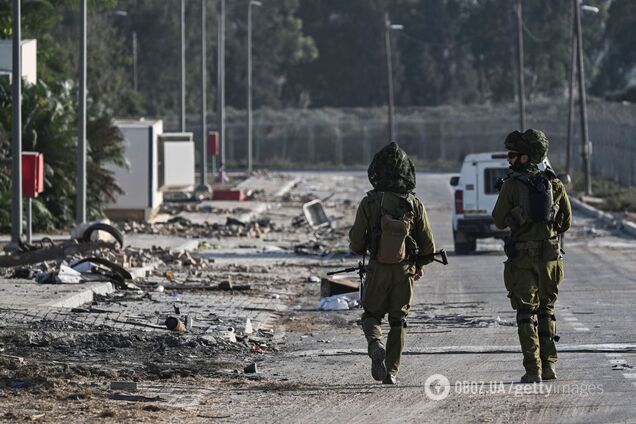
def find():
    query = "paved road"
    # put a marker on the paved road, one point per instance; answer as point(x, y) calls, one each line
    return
point(461, 327)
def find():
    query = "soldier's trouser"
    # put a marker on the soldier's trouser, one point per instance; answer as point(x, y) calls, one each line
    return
point(388, 288)
point(533, 285)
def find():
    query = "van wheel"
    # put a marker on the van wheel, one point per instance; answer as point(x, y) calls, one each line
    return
point(464, 244)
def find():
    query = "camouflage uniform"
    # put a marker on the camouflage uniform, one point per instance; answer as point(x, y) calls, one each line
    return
point(389, 287)
point(533, 274)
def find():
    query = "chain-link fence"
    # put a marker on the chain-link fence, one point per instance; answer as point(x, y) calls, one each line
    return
point(440, 136)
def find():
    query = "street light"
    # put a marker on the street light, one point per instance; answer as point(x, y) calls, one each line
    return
point(221, 85)
point(80, 207)
point(249, 81)
point(577, 43)
point(16, 132)
point(388, 26)
point(182, 118)
point(203, 183)
point(520, 68)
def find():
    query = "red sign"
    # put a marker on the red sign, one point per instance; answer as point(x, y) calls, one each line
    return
point(32, 174)
point(213, 143)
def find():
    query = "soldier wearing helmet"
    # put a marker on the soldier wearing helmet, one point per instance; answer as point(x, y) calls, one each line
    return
point(535, 206)
point(391, 226)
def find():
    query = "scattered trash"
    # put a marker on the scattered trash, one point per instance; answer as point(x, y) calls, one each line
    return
point(234, 221)
point(337, 285)
point(18, 384)
point(229, 335)
point(339, 302)
point(315, 214)
point(160, 288)
point(228, 286)
point(136, 398)
point(505, 323)
point(248, 326)
point(129, 386)
point(67, 275)
point(313, 279)
point(169, 275)
point(175, 324)
point(251, 368)
point(276, 296)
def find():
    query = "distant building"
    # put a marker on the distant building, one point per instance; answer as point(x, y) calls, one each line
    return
point(29, 60)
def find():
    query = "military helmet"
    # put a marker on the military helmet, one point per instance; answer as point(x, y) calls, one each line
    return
point(533, 143)
point(392, 170)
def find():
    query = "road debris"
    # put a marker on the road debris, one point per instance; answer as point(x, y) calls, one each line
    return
point(175, 324)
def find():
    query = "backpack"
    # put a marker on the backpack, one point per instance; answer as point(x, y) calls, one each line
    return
point(391, 240)
point(537, 198)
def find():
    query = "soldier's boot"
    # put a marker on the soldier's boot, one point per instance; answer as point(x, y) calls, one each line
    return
point(547, 339)
point(395, 345)
point(376, 350)
point(530, 378)
point(529, 341)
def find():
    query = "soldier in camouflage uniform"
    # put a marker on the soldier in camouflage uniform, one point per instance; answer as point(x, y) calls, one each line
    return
point(388, 287)
point(535, 206)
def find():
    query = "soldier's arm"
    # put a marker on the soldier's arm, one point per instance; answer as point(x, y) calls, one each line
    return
point(423, 238)
point(358, 232)
point(503, 206)
point(565, 210)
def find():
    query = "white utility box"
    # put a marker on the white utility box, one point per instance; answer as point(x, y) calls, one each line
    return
point(177, 161)
point(140, 183)
point(29, 52)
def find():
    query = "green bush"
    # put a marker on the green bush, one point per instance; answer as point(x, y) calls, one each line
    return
point(49, 126)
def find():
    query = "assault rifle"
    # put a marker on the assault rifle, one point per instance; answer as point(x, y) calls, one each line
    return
point(362, 269)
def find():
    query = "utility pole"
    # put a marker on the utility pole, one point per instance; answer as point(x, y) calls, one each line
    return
point(134, 47)
point(586, 151)
point(389, 70)
point(249, 82)
point(16, 131)
point(520, 68)
point(221, 85)
point(182, 120)
point(203, 183)
point(574, 43)
point(80, 207)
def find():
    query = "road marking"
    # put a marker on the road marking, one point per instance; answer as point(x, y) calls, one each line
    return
point(581, 329)
point(617, 361)
point(630, 375)
point(577, 348)
point(570, 319)
point(613, 355)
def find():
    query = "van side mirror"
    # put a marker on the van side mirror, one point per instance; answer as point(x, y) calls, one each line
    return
point(454, 181)
point(565, 179)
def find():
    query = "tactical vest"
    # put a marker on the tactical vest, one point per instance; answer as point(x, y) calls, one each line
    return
point(391, 240)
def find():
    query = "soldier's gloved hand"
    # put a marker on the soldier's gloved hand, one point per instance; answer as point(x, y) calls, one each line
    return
point(418, 273)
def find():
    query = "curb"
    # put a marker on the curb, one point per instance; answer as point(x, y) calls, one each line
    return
point(82, 297)
point(625, 225)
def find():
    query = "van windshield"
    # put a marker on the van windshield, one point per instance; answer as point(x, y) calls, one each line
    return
point(491, 176)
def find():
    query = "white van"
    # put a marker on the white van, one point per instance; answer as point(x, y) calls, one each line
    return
point(475, 196)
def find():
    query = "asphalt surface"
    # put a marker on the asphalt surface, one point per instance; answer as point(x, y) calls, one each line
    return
point(462, 328)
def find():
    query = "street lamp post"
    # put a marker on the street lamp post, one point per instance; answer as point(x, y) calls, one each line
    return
point(80, 209)
point(586, 145)
point(203, 183)
point(520, 67)
point(574, 44)
point(182, 118)
point(16, 131)
point(389, 69)
point(249, 82)
point(221, 85)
